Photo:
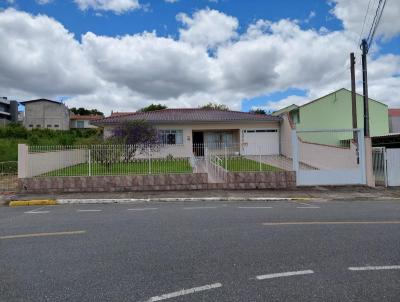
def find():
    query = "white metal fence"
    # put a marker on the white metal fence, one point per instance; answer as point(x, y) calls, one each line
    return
point(8, 176)
point(96, 160)
point(329, 157)
point(386, 164)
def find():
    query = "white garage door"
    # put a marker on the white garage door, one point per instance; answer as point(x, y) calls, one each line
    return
point(261, 141)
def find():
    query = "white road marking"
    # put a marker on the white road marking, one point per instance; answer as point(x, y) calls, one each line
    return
point(143, 209)
point(286, 274)
point(37, 212)
point(375, 268)
point(328, 223)
point(311, 207)
point(89, 210)
point(305, 204)
point(184, 292)
point(41, 235)
point(254, 207)
point(199, 208)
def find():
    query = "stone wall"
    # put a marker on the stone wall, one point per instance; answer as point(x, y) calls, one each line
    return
point(168, 182)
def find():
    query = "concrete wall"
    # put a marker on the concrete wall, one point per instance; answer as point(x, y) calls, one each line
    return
point(44, 114)
point(86, 125)
point(394, 124)
point(40, 163)
point(167, 182)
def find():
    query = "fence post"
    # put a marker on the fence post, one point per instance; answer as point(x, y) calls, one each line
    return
point(90, 161)
point(259, 151)
point(23, 161)
point(226, 159)
point(385, 167)
point(295, 151)
point(149, 159)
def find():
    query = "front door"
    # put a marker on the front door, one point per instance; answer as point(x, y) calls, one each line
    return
point(198, 143)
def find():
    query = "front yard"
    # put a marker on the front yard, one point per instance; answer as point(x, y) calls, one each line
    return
point(242, 164)
point(129, 168)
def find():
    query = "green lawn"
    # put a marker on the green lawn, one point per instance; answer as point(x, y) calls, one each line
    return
point(242, 164)
point(138, 167)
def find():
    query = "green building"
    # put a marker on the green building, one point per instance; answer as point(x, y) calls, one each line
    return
point(334, 111)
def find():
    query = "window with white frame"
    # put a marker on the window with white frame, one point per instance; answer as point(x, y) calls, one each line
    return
point(171, 137)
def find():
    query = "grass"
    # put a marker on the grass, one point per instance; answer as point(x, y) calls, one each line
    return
point(132, 168)
point(242, 164)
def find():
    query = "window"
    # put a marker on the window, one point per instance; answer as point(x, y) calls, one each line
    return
point(38, 126)
point(171, 137)
point(30, 126)
point(48, 126)
point(80, 124)
point(56, 126)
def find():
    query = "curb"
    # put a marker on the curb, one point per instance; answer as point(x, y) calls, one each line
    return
point(142, 200)
point(34, 202)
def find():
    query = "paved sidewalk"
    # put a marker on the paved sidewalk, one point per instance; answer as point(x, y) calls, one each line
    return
point(324, 193)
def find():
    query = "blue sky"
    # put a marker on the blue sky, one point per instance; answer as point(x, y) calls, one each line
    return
point(322, 17)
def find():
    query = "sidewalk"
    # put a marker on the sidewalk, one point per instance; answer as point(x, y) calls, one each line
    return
point(321, 193)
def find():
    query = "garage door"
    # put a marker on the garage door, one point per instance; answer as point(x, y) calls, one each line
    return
point(261, 141)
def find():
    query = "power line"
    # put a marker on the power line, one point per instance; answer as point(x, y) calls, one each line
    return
point(376, 22)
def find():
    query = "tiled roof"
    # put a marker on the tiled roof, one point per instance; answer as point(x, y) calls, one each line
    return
point(113, 114)
point(188, 116)
point(394, 112)
point(78, 117)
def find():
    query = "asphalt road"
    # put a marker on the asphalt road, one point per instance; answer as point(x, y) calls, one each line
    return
point(259, 251)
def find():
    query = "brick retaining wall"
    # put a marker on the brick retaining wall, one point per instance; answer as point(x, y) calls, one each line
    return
point(168, 182)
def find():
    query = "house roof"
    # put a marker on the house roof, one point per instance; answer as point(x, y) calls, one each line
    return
point(193, 115)
point(394, 112)
point(285, 109)
point(41, 100)
point(77, 117)
point(114, 114)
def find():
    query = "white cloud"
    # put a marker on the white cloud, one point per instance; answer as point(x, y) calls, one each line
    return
point(116, 6)
point(43, 2)
point(40, 58)
point(208, 28)
point(171, 1)
point(352, 13)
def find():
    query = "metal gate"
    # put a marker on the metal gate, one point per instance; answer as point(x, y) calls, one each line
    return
point(393, 167)
point(329, 157)
point(386, 166)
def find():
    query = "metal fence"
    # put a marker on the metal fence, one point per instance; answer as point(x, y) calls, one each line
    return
point(8, 176)
point(99, 160)
point(106, 160)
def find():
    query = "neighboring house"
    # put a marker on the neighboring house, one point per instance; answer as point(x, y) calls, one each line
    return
point(83, 121)
point(195, 128)
point(8, 111)
point(334, 111)
point(394, 120)
point(43, 113)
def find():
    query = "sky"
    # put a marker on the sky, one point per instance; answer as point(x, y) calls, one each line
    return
point(122, 55)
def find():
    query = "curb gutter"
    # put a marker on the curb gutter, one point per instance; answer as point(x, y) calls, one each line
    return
point(133, 200)
point(35, 202)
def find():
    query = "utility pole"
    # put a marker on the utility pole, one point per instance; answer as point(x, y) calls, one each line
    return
point(353, 93)
point(365, 48)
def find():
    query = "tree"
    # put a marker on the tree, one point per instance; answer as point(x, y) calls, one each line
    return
point(83, 111)
point(153, 107)
point(215, 106)
point(138, 137)
point(258, 111)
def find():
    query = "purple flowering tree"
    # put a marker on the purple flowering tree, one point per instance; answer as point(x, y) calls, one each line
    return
point(137, 137)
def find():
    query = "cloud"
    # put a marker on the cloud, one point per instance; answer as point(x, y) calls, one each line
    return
point(116, 6)
point(352, 14)
point(40, 58)
point(208, 28)
point(43, 2)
